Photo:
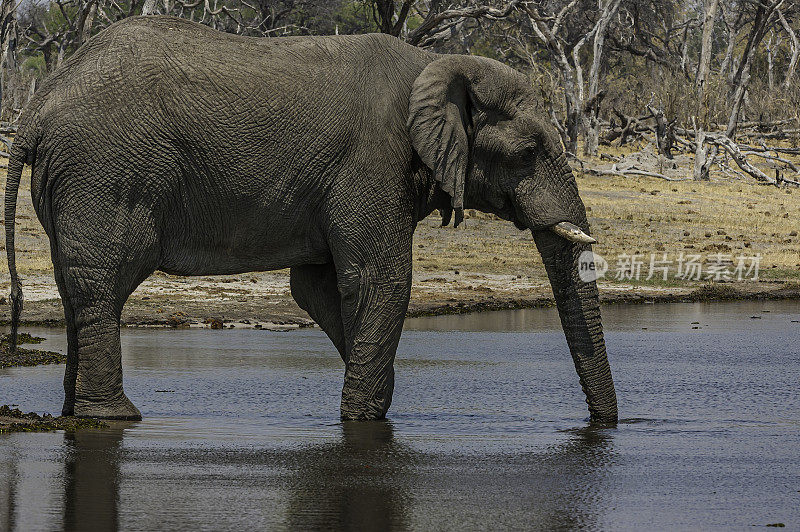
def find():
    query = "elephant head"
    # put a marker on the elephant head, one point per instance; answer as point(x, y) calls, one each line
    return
point(478, 125)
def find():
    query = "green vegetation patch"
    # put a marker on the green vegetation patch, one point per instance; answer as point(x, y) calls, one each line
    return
point(14, 420)
point(26, 357)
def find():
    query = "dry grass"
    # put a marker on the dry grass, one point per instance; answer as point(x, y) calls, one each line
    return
point(646, 216)
point(729, 215)
point(639, 215)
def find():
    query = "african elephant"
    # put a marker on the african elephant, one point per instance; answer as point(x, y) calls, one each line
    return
point(164, 145)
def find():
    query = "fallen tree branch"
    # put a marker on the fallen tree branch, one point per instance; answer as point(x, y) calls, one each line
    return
point(624, 173)
point(776, 149)
point(774, 158)
point(780, 179)
point(776, 134)
point(731, 172)
point(741, 160)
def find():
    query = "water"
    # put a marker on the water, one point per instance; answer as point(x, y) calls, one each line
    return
point(488, 430)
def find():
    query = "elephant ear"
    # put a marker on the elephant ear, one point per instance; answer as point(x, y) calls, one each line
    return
point(443, 100)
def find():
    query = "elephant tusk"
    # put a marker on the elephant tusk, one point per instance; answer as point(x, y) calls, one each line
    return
point(572, 232)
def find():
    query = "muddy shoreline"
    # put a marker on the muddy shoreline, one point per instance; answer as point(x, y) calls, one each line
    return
point(703, 294)
point(281, 313)
point(14, 420)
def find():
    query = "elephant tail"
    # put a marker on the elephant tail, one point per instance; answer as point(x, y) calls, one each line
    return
point(16, 162)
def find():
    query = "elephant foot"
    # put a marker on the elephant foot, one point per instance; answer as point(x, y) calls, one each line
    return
point(121, 408)
point(359, 411)
point(362, 416)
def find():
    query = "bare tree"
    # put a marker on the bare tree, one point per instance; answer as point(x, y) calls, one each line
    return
point(703, 160)
point(56, 37)
point(8, 46)
point(548, 29)
point(795, 49)
point(607, 10)
point(764, 17)
point(565, 45)
point(438, 21)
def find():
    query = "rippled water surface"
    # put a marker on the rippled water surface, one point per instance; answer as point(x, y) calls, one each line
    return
point(487, 430)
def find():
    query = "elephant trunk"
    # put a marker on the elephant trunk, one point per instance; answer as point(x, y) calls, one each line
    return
point(579, 309)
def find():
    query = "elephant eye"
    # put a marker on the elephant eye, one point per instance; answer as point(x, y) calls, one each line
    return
point(527, 153)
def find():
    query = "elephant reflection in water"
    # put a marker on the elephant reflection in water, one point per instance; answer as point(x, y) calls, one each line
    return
point(367, 480)
point(370, 481)
point(92, 479)
point(357, 483)
point(8, 481)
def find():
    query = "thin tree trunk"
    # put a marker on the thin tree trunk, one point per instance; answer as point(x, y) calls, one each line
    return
point(86, 22)
point(795, 46)
point(727, 65)
point(150, 7)
point(62, 49)
point(8, 50)
point(702, 165)
point(771, 64)
point(738, 97)
point(572, 104)
point(591, 109)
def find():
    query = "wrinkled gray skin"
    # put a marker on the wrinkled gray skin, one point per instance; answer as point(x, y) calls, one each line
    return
point(164, 145)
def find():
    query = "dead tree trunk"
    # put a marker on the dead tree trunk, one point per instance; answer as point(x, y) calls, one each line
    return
point(741, 160)
point(763, 16)
point(665, 135)
point(795, 47)
point(594, 96)
point(702, 161)
point(771, 62)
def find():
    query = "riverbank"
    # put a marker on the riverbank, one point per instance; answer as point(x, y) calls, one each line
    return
point(263, 301)
point(741, 239)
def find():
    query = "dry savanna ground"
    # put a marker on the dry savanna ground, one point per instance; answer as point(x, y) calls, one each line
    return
point(487, 263)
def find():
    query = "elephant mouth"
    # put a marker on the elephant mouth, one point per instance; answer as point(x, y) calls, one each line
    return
point(571, 232)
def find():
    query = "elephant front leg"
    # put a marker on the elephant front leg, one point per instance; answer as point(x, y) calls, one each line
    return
point(373, 311)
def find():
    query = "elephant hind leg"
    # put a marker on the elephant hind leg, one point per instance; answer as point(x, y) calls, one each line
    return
point(71, 371)
point(315, 289)
point(99, 266)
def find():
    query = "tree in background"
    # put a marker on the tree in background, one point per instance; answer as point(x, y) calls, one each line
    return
point(685, 73)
